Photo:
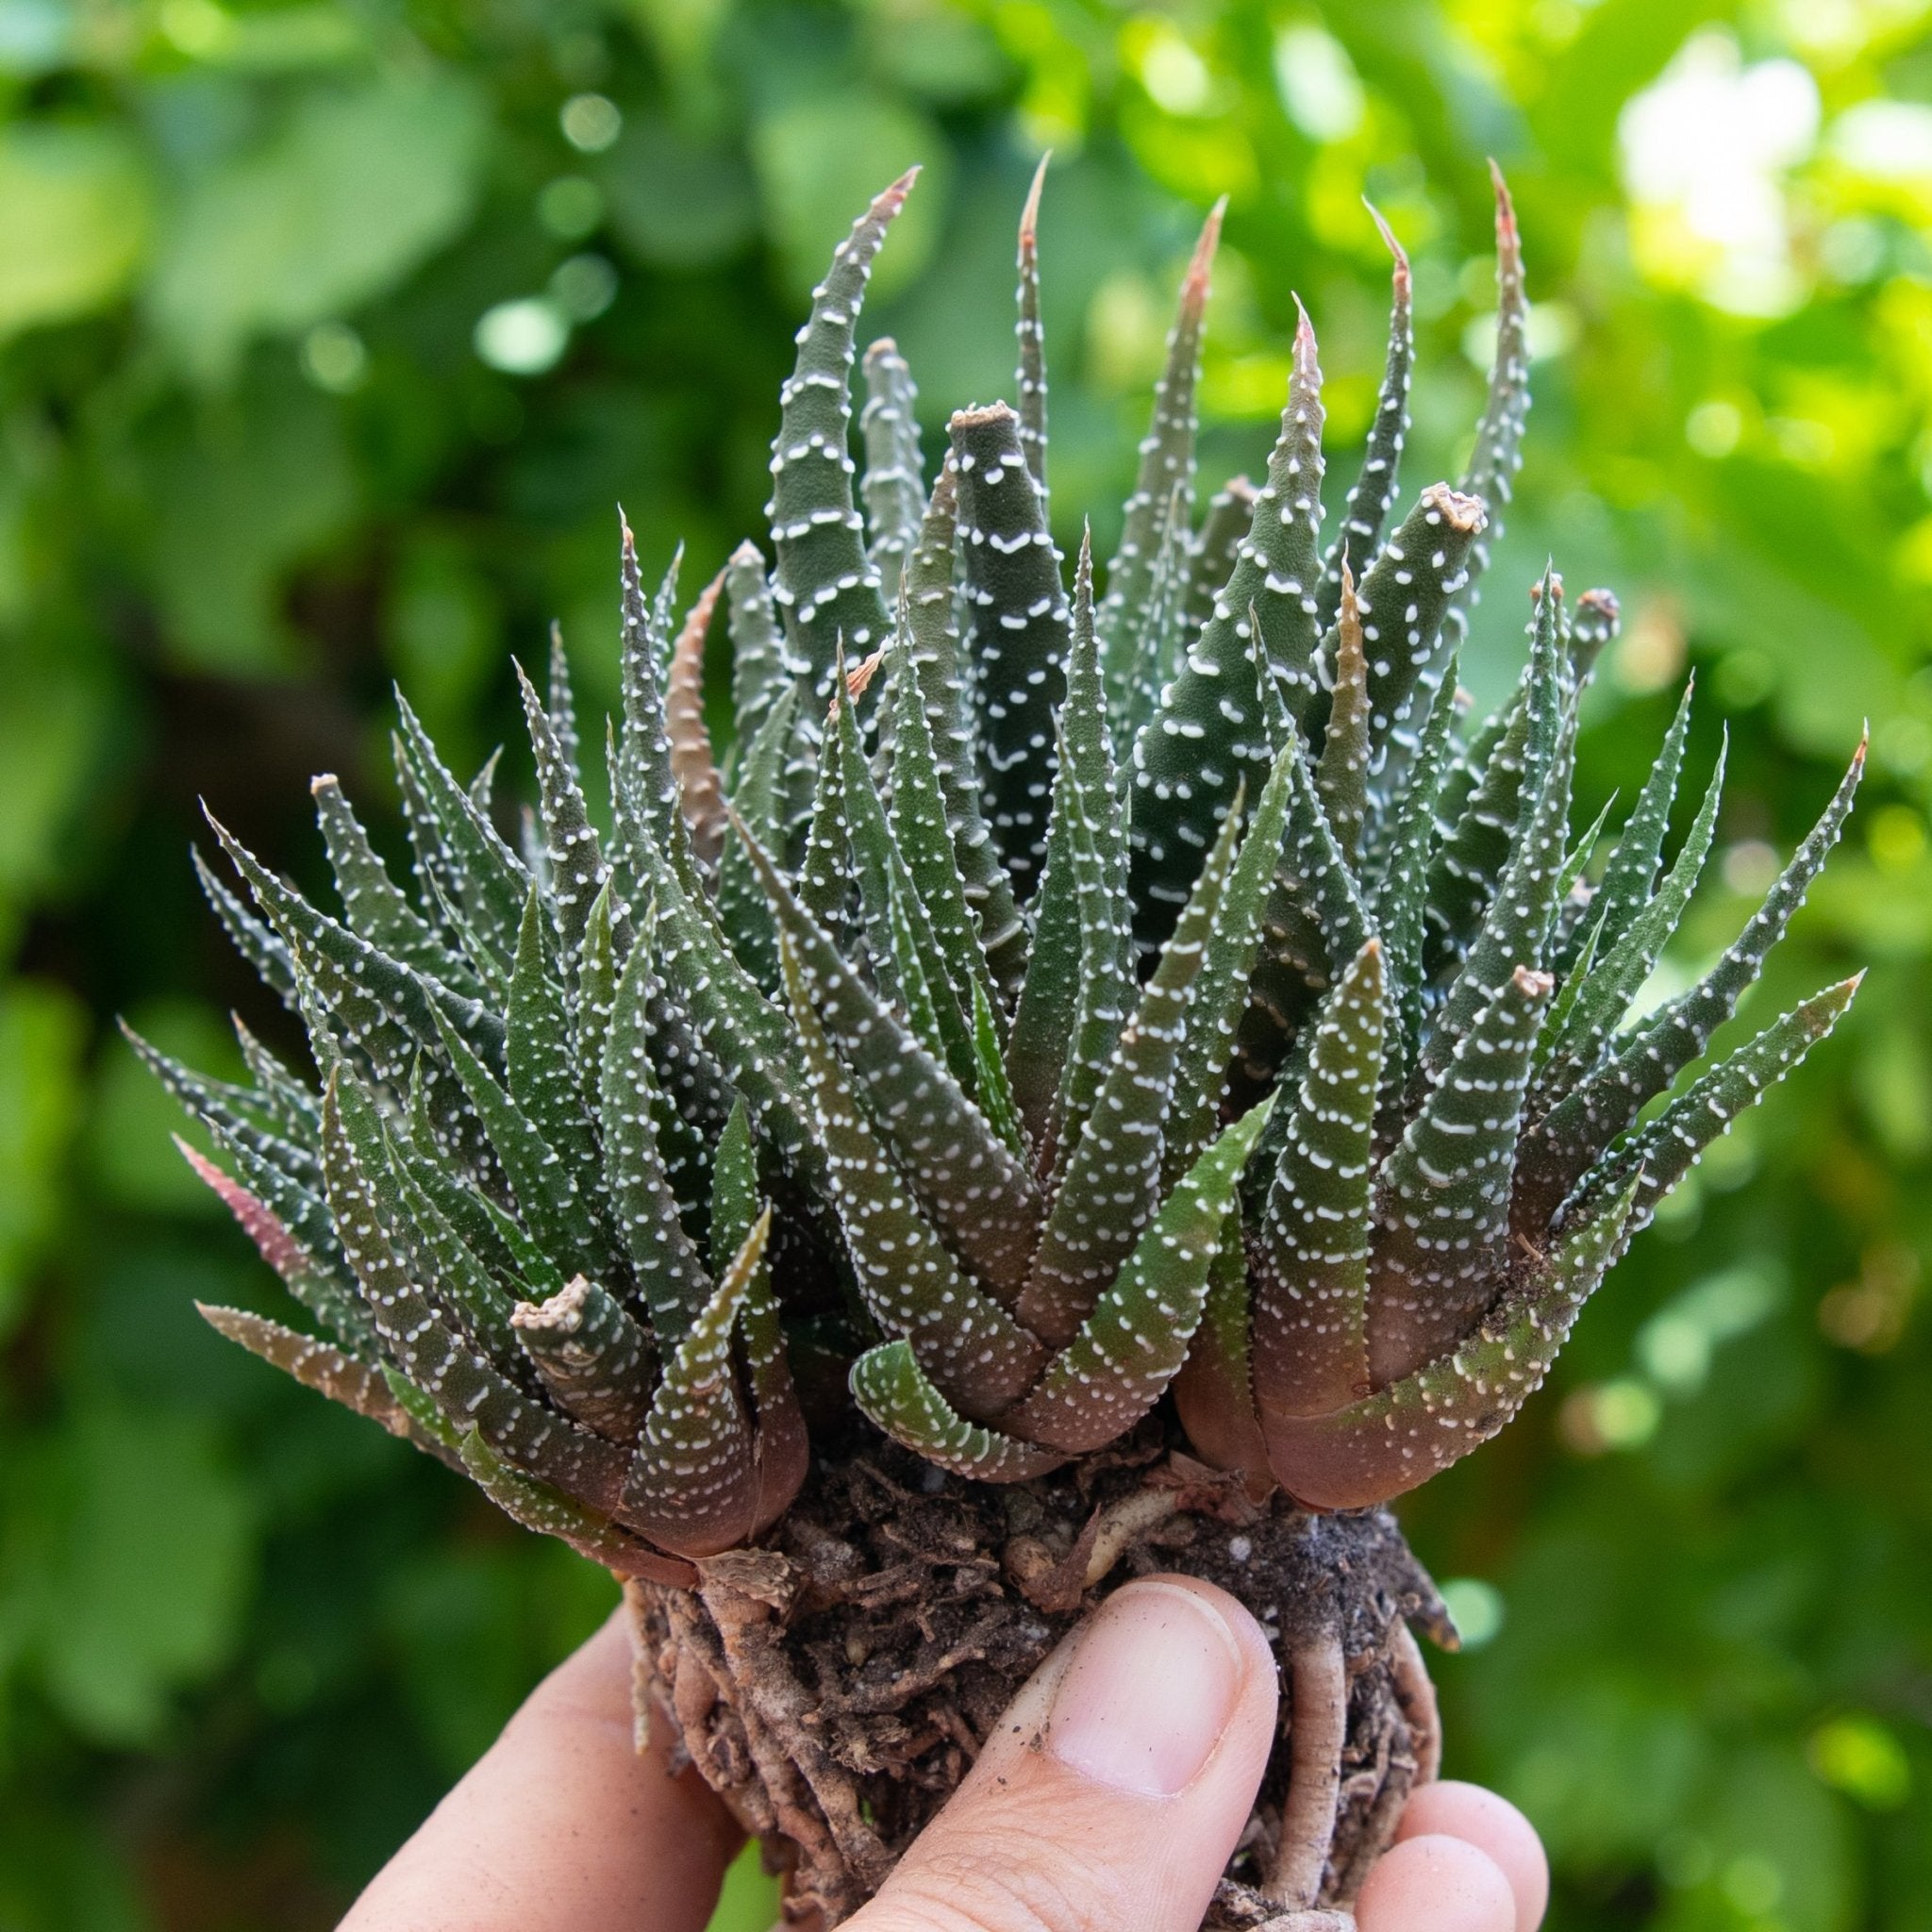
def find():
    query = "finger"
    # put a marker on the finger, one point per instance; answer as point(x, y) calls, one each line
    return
point(1434, 1883)
point(1491, 1825)
point(561, 1825)
point(1112, 1791)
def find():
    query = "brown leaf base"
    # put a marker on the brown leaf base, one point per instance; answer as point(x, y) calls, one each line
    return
point(835, 1687)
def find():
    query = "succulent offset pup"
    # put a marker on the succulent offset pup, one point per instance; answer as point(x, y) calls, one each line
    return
point(1093, 1083)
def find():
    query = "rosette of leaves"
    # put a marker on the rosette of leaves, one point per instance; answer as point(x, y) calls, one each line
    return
point(1080, 1024)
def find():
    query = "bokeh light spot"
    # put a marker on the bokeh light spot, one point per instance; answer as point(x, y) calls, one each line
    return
point(521, 338)
point(591, 123)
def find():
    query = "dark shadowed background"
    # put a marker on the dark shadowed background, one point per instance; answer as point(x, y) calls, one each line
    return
point(330, 335)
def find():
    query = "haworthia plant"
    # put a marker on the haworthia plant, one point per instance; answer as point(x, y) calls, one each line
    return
point(1132, 1003)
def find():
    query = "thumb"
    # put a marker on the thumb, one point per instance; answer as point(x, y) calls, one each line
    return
point(1114, 1790)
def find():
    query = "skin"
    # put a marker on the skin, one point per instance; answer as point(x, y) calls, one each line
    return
point(1109, 1797)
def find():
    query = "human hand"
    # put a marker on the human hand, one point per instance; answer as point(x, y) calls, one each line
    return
point(1109, 1797)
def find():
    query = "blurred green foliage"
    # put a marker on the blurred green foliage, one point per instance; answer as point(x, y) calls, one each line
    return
point(329, 336)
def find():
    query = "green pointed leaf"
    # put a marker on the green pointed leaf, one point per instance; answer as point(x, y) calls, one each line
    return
point(1341, 772)
point(1444, 1191)
point(749, 1038)
point(759, 798)
point(1029, 382)
point(356, 1384)
point(1315, 922)
point(1163, 482)
point(735, 1203)
point(466, 1297)
point(575, 858)
point(1606, 992)
point(910, 1284)
point(966, 1180)
point(1209, 733)
point(255, 943)
point(825, 880)
point(907, 957)
point(1400, 896)
point(1162, 628)
point(1132, 1345)
point(1516, 928)
point(1371, 495)
point(1475, 861)
point(1405, 598)
point(549, 1193)
point(1215, 551)
point(945, 681)
point(1631, 875)
point(894, 485)
point(549, 1512)
point(1221, 992)
point(596, 996)
point(539, 1056)
point(285, 1097)
point(1389, 1442)
point(233, 1113)
point(1043, 1019)
point(1565, 1141)
point(386, 1009)
point(827, 591)
point(670, 1279)
point(464, 1386)
point(1660, 1155)
point(1017, 631)
point(461, 1286)
point(1557, 1022)
point(1498, 454)
point(1310, 1287)
point(1087, 795)
point(562, 708)
point(1110, 1183)
point(646, 800)
point(923, 837)
point(475, 870)
point(759, 677)
point(1577, 860)
point(990, 1087)
point(894, 1393)
point(377, 908)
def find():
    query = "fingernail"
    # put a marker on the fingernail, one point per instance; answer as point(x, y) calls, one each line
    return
point(1154, 1682)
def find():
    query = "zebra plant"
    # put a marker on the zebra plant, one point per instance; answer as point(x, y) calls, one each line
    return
point(1094, 1060)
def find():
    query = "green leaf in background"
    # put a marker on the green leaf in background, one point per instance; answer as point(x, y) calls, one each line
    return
point(241, 490)
point(145, 1583)
point(826, 154)
point(675, 201)
point(129, 1139)
point(352, 190)
point(74, 220)
point(42, 1028)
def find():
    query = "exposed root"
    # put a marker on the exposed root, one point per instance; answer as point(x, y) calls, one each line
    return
point(1317, 1731)
point(1416, 1693)
point(834, 1688)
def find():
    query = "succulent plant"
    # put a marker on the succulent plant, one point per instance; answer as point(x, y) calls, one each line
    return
point(1140, 1049)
